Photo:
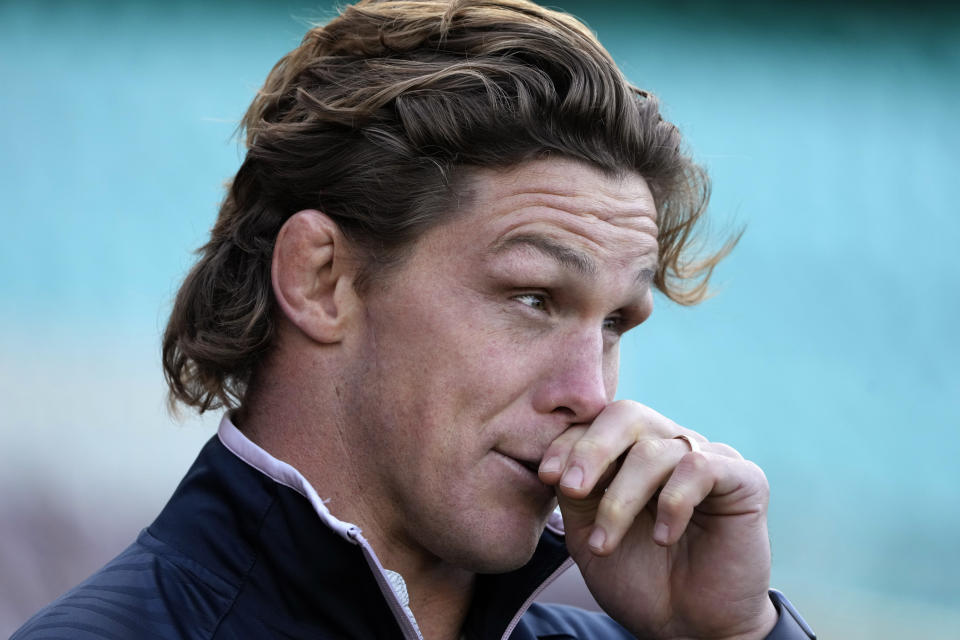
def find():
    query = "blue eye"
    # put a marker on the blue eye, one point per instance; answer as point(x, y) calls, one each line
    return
point(614, 323)
point(532, 300)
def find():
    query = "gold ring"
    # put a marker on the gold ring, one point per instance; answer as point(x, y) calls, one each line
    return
point(694, 445)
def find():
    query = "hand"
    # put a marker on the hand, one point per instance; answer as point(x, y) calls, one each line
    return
point(671, 543)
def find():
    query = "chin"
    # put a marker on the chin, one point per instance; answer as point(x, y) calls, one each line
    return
point(503, 561)
point(498, 547)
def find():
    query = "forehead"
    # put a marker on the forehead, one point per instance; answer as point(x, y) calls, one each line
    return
point(580, 188)
point(556, 203)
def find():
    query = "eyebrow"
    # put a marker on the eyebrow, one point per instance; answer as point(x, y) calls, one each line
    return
point(566, 256)
point(645, 276)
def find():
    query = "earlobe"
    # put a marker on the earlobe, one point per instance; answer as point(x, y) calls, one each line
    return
point(312, 275)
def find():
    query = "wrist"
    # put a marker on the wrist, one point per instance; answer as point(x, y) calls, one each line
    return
point(763, 625)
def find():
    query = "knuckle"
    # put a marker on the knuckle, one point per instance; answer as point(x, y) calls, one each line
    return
point(671, 501)
point(625, 405)
point(697, 461)
point(587, 449)
point(646, 450)
point(613, 508)
point(633, 413)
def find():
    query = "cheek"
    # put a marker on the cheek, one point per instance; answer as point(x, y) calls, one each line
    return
point(447, 361)
point(611, 372)
point(480, 382)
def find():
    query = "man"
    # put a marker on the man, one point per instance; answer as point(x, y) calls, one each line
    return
point(411, 304)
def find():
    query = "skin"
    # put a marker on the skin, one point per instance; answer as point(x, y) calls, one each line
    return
point(448, 410)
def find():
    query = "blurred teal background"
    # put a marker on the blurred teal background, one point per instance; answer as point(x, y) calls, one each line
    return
point(829, 354)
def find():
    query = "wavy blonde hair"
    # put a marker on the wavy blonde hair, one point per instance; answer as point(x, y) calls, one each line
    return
point(376, 118)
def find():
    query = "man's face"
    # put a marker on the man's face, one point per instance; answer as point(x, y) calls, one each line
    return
point(499, 332)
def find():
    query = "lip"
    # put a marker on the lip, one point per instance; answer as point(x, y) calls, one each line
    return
point(526, 472)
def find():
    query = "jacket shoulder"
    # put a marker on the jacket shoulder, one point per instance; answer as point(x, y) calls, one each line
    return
point(561, 621)
point(148, 591)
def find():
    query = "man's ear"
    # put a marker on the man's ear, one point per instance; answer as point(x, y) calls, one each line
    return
point(312, 273)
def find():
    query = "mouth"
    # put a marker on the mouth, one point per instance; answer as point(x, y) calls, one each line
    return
point(532, 467)
point(526, 478)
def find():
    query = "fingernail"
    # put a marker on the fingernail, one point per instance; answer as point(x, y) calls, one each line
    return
point(661, 532)
point(597, 538)
point(551, 466)
point(573, 478)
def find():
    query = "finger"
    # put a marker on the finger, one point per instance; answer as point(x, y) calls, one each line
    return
point(648, 423)
point(723, 479)
point(555, 457)
point(611, 434)
point(718, 448)
point(646, 468)
point(723, 450)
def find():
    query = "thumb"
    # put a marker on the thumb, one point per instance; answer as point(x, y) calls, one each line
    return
point(580, 514)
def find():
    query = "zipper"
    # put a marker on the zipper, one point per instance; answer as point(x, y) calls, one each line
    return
point(533, 596)
point(403, 615)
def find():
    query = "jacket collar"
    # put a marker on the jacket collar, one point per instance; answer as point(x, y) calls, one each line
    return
point(256, 521)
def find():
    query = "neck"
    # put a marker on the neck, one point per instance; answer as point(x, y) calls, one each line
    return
point(313, 443)
point(439, 600)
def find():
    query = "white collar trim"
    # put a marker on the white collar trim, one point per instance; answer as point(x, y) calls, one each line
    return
point(281, 472)
point(390, 582)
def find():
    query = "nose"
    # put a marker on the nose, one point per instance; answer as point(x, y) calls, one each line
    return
point(579, 379)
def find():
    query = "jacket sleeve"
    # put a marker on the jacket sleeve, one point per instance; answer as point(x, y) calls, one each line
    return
point(560, 621)
point(790, 624)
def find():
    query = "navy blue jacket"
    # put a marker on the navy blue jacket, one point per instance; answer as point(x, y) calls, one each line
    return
point(239, 554)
